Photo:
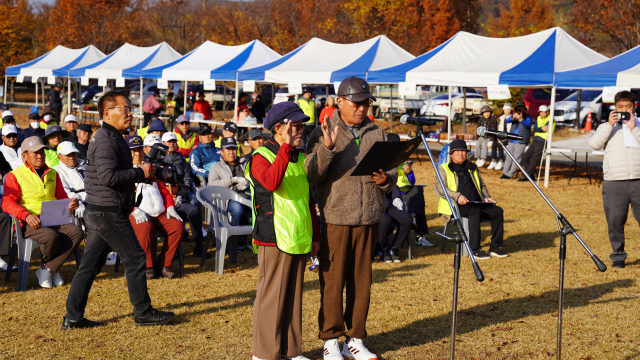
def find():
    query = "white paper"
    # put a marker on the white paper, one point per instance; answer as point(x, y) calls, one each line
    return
point(498, 92)
point(295, 88)
point(84, 81)
point(609, 92)
point(163, 84)
point(102, 81)
point(629, 140)
point(120, 82)
point(408, 89)
point(20, 79)
point(249, 86)
point(51, 80)
point(55, 212)
point(209, 84)
point(336, 86)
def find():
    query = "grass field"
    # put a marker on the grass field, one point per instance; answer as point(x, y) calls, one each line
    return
point(511, 315)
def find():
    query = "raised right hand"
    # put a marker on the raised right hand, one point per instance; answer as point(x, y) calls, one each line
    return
point(149, 169)
point(329, 132)
point(613, 118)
point(34, 221)
point(462, 200)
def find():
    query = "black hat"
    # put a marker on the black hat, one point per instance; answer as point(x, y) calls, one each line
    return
point(255, 133)
point(204, 130)
point(228, 142)
point(85, 127)
point(58, 85)
point(307, 90)
point(201, 93)
point(230, 127)
point(34, 116)
point(355, 89)
point(156, 92)
point(458, 144)
point(9, 119)
point(519, 104)
point(393, 137)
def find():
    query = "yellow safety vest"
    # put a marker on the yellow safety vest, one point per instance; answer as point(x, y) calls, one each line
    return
point(186, 144)
point(542, 122)
point(443, 205)
point(44, 125)
point(33, 190)
point(403, 180)
point(308, 108)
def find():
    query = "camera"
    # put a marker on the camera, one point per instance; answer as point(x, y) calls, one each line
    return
point(519, 111)
point(624, 115)
point(163, 173)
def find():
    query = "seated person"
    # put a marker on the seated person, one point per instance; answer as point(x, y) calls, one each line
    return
point(82, 143)
point(25, 189)
point(413, 197)
point(183, 195)
point(8, 119)
point(230, 129)
point(156, 212)
point(33, 129)
point(394, 214)
point(255, 140)
point(229, 173)
point(464, 184)
point(47, 118)
point(5, 239)
point(10, 146)
point(205, 155)
point(71, 175)
point(71, 128)
point(143, 132)
point(157, 127)
point(52, 138)
point(186, 139)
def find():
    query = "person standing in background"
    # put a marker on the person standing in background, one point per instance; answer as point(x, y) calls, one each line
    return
point(55, 100)
point(151, 107)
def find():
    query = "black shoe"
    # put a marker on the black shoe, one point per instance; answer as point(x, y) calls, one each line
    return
point(80, 324)
point(523, 178)
point(394, 255)
point(498, 252)
point(197, 251)
point(480, 255)
point(619, 264)
point(387, 257)
point(155, 317)
point(505, 177)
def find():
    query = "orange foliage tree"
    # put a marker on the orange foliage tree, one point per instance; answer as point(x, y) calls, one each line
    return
point(19, 31)
point(523, 17)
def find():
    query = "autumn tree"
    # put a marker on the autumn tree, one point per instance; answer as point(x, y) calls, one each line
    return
point(522, 18)
point(19, 29)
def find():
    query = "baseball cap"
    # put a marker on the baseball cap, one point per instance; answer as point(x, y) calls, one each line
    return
point(58, 85)
point(507, 106)
point(284, 111)
point(458, 144)
point(307, 90)
point(228, 142)
point(152, 139)
point(66, 148)
point(9, 120)
point(355, 89)
point(34, 116)
point(182, 119)
point(255, 133)
point(52, 129)
point(71, 118)
point(9, 129)
point(204, 130)
point(134, 141)
point(156, 125)
point(168, 136)
point(33, 144)
point(230, 126)
point(486, 108)
point(7, 113)
point(85, 127)
point(543, 108)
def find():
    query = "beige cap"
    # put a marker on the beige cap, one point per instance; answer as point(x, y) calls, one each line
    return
point(33, 144)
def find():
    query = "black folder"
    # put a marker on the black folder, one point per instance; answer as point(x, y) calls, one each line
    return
point(386, 155)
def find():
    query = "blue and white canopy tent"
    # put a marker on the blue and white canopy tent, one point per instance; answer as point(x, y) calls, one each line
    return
point(56, 62)
point(477, 61)
point(211, 61)
point(621, 70)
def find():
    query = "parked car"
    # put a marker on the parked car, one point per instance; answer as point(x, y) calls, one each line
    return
point(89, 92)
point(591, 102)
point(439, 105)
point(533, 98)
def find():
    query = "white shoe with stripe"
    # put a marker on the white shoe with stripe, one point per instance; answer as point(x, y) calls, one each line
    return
point(332, 350)
point(355, 349)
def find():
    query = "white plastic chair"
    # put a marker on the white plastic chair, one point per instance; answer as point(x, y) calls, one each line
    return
point(216, 198)
point(25, 247)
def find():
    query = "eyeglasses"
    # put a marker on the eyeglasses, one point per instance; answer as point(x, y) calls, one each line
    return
point(363, 103)
point(126, 109)
point(11, 136)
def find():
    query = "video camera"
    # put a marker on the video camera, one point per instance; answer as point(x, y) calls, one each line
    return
point(163, 173)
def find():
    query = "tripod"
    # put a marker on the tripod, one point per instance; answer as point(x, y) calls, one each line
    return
point(564, 228)
point(460, 238)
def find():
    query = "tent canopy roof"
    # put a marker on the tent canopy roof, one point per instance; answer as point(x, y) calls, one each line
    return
point(57, 62)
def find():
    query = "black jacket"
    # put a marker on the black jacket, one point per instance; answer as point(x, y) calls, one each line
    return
point(183, 173)
point(110, 177)
point(29, 132)
point(55, 101)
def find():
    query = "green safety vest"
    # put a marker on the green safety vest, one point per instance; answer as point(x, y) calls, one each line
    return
point(542, 122)
point(308, 108)
point(51, 158)
point(403, 180)
point(443, 205)
point(291, 215)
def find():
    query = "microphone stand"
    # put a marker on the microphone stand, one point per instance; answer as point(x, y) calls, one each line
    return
point(460, 238)
point(564, 228)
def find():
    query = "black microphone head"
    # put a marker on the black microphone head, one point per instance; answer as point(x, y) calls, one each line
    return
point(403, 119)
point(481, 131)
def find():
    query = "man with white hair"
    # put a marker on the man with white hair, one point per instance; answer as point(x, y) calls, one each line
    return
point(10, 147)
point(71, 174)
point(71, 126)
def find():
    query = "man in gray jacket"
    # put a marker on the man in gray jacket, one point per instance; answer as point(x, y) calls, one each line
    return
point(620, 140)
point(351, 209)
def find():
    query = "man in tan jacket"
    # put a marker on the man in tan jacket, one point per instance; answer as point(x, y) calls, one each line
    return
point(351, 209)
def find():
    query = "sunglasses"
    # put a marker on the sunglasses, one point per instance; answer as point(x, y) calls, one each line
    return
point(363, 103)
point(184, 123)
point(11, 136)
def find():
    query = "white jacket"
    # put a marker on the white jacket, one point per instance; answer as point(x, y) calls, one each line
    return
point(152, 202)
point(620, 162)
point(11, 156)
point(72, 181)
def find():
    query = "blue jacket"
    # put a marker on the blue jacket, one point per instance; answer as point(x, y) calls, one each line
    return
point(202, 157)
point(522, 128)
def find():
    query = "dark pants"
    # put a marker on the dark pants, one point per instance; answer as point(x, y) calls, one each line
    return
point(147, 118)
point(531, 157)
point(414, 198)
point(616, 198)
point(106, 231)
point(474, 212)
point(56, 114)
point(5, 233)
point(192, 214)
point(56, 243)
point(497, 149)
point(240, 215)
point(391, 217)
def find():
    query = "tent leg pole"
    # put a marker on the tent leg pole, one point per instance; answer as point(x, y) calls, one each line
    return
point(184, 111)
point(235, 107)
point(464, 110)
point(140, 103)
point(549, 135)
point(36, 93)
point(224, 100)
point(449, 119)
point(391, 108)
point(69, 105)
point(4, 93)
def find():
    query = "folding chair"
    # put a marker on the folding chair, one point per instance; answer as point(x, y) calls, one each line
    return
point(463, 220)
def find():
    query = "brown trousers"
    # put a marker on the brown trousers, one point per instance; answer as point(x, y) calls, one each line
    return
point(345, 259)
point(277, 311)
point(172, 229)
point(56, 243)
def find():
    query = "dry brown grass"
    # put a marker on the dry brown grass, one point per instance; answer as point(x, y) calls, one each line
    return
point(511, 315)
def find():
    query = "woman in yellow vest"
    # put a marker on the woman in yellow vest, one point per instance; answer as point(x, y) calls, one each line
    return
point(533, 155)
point(465, 186)
point(285, 230)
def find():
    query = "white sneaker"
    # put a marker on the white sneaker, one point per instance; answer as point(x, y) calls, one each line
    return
point(44, 277)
point(492, 165)
point(481, 162)
point(111, 258)
point(355, 349)
point(299, 357)
point(332, 350)
point(57, 279)
point(253, 357)
point(500, 165)
point(422, 241)
point(4, 265)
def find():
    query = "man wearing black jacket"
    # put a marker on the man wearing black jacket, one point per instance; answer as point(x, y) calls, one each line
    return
point(110, 180)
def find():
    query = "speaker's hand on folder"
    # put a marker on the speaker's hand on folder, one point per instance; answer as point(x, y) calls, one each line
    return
point(379, 178)
point(329, 132)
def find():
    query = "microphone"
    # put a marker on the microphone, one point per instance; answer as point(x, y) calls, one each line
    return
point(483, 131)
point(428, 121)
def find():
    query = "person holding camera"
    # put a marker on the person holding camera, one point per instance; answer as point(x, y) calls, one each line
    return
point(532, 156)
point(620, 140)
point(520, 123)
